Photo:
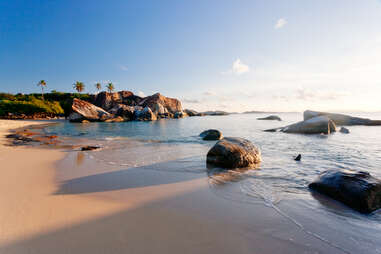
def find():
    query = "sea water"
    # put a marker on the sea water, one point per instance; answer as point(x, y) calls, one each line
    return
point(280, 182)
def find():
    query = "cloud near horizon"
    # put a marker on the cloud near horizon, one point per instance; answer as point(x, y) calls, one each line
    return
point(238, 68)
point(123, 67)
point(280, 23)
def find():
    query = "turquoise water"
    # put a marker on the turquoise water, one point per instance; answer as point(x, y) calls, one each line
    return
point(280, 182)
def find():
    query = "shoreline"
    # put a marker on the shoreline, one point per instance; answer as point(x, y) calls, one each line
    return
point(56, 205)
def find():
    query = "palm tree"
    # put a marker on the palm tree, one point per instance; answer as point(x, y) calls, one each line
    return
point(79, 86)
point(42, 83)
point(98, 86)
point(110, 87)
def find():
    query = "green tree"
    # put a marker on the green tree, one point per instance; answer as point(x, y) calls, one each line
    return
point(98, 86)
point(42, 84)
point(79, 86)
point(110, 87)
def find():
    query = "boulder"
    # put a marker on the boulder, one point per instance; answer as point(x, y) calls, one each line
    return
point(180, 114)
point(127, 112)
point(145, 114)
point(341, 119)
point(107, 100)
point(170, 104)
point(117, 119)
point(234, 153)
point(316, 125)
point(358, 190)
point(344, 130)
point(191, 112)
point(83, 110)
point(211, 135)
point(272, 117)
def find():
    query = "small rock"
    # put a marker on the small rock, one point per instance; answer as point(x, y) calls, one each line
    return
point(344, 130)
point(89, 148)
point(211, 135)
point(298, 158)
point(272, 117)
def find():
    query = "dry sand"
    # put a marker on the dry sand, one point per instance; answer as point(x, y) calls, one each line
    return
point(127, 211)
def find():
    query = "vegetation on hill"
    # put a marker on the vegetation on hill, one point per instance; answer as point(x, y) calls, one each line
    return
point(55, 103)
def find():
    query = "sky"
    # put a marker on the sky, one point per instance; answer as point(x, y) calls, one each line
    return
point(284, 55)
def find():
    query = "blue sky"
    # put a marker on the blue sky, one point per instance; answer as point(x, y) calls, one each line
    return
point(227, 55)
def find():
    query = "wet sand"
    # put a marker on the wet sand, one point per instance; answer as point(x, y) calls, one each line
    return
point(55, 201)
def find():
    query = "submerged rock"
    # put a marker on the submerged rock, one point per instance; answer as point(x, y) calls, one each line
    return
point(358, 190)
point(83, 110)
point(272, 117)
point(316, 125)
point(211, 135)
point(341, 119)
point(344, 130)
point(234, 153)
point(89, 148)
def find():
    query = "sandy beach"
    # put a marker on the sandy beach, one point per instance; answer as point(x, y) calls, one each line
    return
point(71, 207)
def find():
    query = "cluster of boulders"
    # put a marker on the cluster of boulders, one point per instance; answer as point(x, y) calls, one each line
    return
point(356, 189)
point(315, 122)
point(125, 106)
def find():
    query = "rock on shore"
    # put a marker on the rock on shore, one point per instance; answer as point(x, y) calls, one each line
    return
point(234, 153)
point(341, 119)
point(358, 190)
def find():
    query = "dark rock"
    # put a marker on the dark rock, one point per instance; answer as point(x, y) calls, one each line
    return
point(341, 119)
point(344, 130)
point(180, 114)
point(89, 148)
point(298, 158)
point(234, 153)
point(316, 125)
point(107, 100)
point(191, 112)
point(127, 112)
point(211, 135)
point(272, 117)
point(215, 113)
point(83, 110)
point(358, 190)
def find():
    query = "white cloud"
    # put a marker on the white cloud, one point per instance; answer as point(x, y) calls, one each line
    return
point(308, 94)
point(141, 94)
point(123, 67)
point(238, 68)
point(280, 23)
point(209, 93)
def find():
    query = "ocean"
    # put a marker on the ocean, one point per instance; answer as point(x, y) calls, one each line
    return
point(280, 183)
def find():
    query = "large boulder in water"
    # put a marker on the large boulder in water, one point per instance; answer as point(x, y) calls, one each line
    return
point(341, 119)
point(107, 100)
point(234, 153)
point(83, 110)
point(358, 190)
point(271, 117)
point(170, 104)
point(316, 125)
point(211, 135)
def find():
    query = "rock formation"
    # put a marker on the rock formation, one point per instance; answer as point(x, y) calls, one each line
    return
point(341, 119)
point(271, 117)
point(83, 110)
point(211, 135)
point(316, 125)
